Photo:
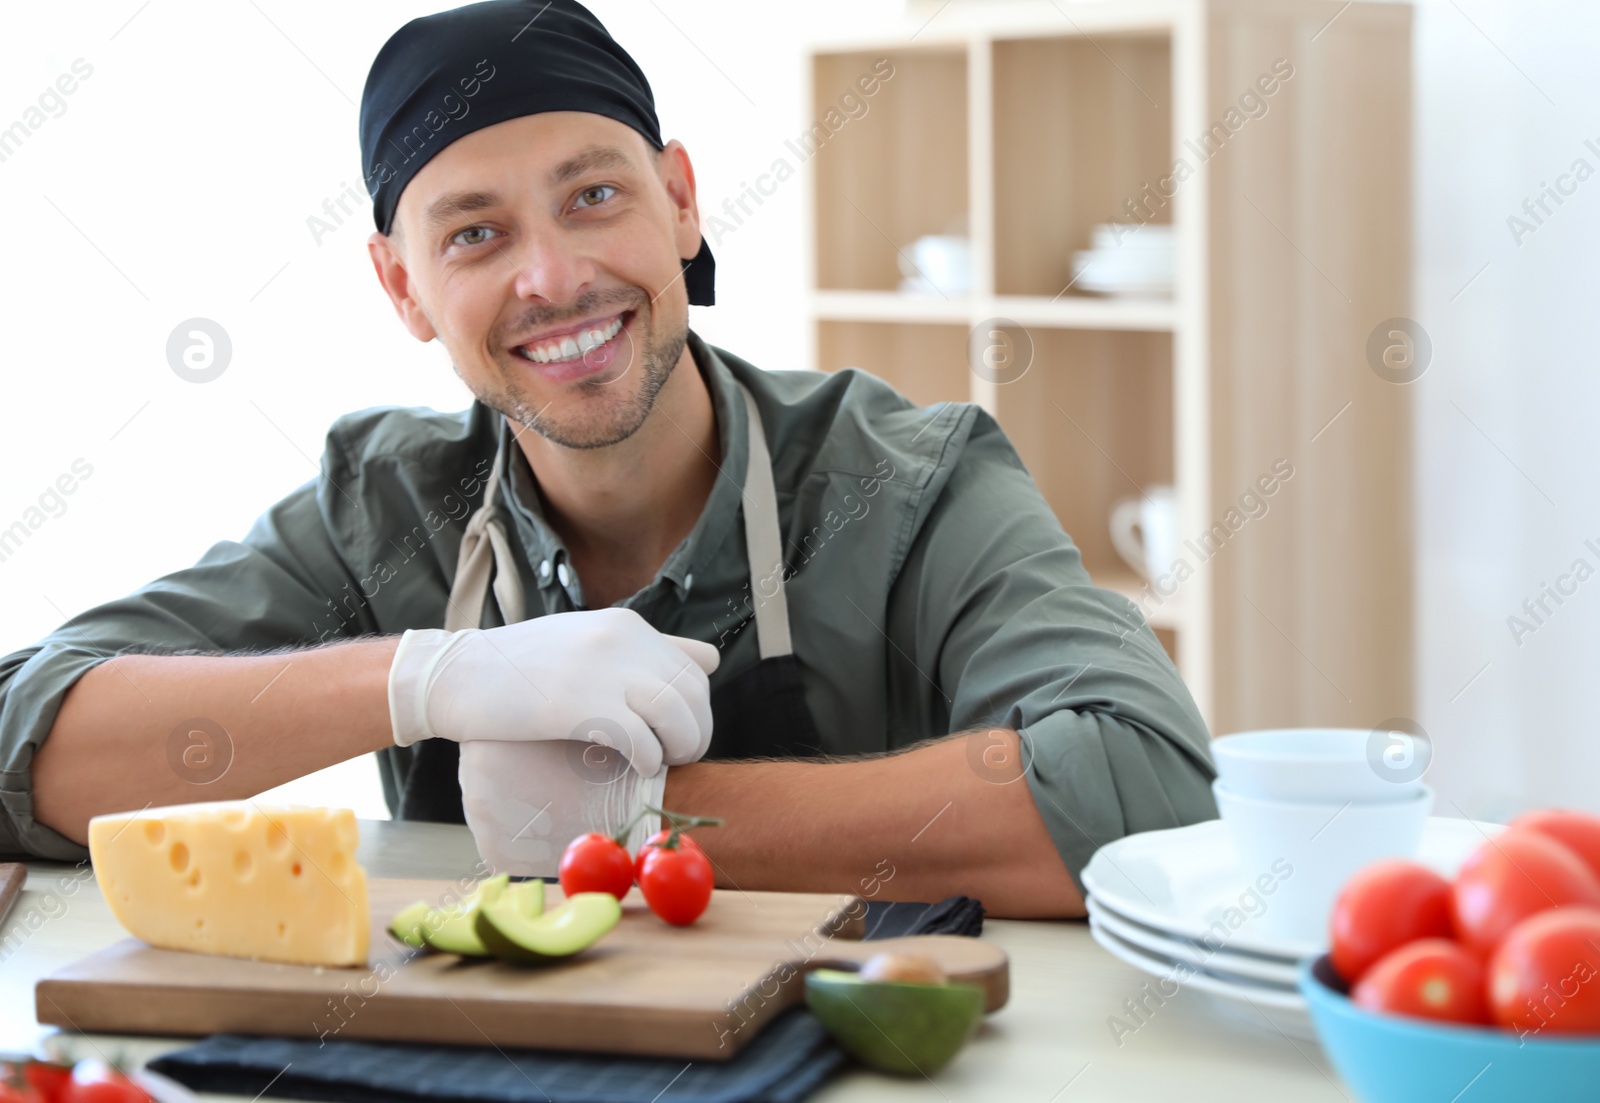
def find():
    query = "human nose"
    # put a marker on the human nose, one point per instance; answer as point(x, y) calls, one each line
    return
point(551, 266)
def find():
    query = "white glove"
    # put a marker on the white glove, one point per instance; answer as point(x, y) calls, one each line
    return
point(549, 677)
point(526, 801)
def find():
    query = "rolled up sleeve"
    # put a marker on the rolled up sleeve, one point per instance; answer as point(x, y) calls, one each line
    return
point(275, 588)
point(995, 595)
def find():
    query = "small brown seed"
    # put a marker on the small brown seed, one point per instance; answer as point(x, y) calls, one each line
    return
point(903, 968)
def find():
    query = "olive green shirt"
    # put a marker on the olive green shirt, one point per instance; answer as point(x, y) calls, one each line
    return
point(931, 590)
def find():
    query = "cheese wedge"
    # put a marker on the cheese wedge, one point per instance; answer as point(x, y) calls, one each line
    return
point(274, 883)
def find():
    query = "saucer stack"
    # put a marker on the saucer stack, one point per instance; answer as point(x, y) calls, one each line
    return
point(1127, 260)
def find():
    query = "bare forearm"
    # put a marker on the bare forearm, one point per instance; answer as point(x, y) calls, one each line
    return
point(915, 826)
point(113, 746)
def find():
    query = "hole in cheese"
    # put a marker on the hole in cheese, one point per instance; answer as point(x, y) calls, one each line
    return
point(243, 864)
point(156, 832)
point(194, 878)
point(277, 838)
point(179, 857)
point(295, 869)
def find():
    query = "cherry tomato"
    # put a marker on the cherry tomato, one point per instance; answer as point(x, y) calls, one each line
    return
point(1517, 874)
point(596, 863)
point(676, 882)
point(98, 1082)
point(1431, 978)
point(1383, 907)
point(654, 842)
point(49, 1080)
point(1546, 974)
point(1580, 832)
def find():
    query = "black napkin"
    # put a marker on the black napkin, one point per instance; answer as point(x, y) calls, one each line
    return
point(960, 915)
point(784, 1063)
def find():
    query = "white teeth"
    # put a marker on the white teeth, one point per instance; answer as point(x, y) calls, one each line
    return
point(570, 347)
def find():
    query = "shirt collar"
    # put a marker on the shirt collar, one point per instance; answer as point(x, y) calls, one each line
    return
point(549, 557)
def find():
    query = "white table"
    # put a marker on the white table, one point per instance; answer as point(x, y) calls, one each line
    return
point(1051, 1044)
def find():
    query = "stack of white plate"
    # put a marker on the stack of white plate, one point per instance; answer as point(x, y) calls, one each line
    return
point(1175, 904)
point(1127, 259)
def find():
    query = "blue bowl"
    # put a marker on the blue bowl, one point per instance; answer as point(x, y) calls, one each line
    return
point(1394, 1059)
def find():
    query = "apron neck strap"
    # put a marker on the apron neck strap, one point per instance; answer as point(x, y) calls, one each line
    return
point(763, 542)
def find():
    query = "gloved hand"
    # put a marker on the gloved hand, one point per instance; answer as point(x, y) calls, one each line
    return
point(526, 801)
point(547, 678)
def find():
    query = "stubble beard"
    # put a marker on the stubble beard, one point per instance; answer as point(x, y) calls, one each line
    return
point(605, 413)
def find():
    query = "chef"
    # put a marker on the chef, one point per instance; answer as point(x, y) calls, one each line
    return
point(638, 571)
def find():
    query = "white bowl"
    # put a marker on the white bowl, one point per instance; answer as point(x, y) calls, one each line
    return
point(1321, 764)
point(1297, 855)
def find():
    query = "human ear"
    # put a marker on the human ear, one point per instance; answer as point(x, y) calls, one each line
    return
point(389, 263)
point(677, 176)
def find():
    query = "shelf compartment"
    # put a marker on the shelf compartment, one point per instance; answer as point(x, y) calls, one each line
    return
point(896, 173)
point(1092, 418)
point(926, 363)
point(1080, 127)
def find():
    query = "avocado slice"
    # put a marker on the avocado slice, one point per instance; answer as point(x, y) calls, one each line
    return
point(575, 925)
point(451, 929)
point(895, 1026)
point(407, 924)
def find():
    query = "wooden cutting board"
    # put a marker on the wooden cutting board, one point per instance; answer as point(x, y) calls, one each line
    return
point(699, 992)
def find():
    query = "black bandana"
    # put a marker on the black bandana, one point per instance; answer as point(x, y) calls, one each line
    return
point(443, 76)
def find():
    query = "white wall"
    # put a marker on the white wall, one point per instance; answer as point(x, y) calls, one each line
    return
point(1507, 413)
point(179, 179)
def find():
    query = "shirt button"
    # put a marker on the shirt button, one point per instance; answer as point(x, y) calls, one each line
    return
point(563, 574)
point(688, 581)
point(544, 569)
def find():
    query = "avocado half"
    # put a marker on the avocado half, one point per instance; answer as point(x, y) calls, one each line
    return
point(511, 934)
point(895, 1026)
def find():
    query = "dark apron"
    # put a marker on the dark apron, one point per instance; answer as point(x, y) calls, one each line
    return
point(759, 713)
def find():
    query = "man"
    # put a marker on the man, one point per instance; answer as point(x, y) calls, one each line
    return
point(637, 572)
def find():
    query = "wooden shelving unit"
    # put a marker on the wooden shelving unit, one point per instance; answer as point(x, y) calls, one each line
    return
point(1024, 125)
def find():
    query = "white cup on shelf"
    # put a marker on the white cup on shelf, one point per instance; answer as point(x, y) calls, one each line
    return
point(937, 264)
point(1144, 531)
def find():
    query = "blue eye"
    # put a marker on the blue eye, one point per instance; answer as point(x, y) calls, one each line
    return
point(593, 197)
point(472, 230)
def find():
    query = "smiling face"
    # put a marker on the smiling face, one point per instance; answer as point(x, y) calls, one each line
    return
point(544, 252)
